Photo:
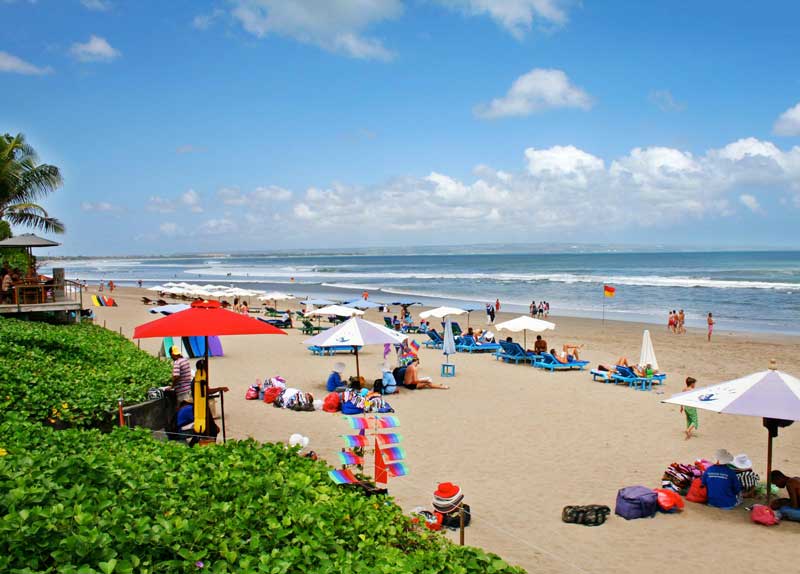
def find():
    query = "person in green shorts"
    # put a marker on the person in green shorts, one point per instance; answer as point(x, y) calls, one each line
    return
point(691, 412)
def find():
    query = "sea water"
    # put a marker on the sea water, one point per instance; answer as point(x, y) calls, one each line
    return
point(757, 290)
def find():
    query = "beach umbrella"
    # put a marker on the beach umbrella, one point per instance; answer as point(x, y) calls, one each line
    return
point(772, 395)
point(356, 332)
point(317, 302)
point(525, 323)
point(449, 345)
point(338, 310)
point(647, 355)
point(169, 309)
point(363, 304)
point(275, 296)
point(469, 308)
point(441, 312)
point(204, 319)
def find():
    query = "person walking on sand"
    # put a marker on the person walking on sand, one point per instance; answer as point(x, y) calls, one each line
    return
point(690, 412)
point(532, 309)
point(488, 313)
point(681, 321)
point(497, 305)
point(710, 326)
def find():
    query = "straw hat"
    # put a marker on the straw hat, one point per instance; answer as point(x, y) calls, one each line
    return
point(447, 498)
point(742, 462)
point(339, 367)
point(173, 350)
point(723, 456)
point(386, 367)
point(298, 440)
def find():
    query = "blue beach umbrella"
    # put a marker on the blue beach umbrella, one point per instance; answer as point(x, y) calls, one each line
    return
point(363, 304)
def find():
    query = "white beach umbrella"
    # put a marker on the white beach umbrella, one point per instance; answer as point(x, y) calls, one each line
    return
point(275, 296)
point(337, 310)
point(524, 323)
point(648, 355)
point(356, 332)
point(157, 288)
point(441, 312)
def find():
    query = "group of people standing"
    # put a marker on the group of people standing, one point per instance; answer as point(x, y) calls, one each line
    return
point(676, 323)
point(541, 310)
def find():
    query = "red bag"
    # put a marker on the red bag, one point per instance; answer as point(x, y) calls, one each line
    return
point(251, 394)
point(271, 394)
point(763, 515)
point(331, 403)
point(668, 500)
point(697, 492)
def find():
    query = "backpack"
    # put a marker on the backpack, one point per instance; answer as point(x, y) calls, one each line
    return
point(453, 519)
point(252, 393)
point(763, 515)
point(636, 502)
point(271, 394)
point(331, 403)
point(349, 408)
point(697, 492)
point(668, 500)
point(590, 515)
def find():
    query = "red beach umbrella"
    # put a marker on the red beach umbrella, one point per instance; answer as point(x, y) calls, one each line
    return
point(204, 319)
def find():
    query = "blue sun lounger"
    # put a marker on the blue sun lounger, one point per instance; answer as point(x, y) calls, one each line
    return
point(434, 341)
point(549, 362)
point(628, 376)
point(514, 352)
point(467, 344)
point(322, 351)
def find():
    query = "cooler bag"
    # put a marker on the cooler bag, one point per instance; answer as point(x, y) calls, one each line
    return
point(636, 502)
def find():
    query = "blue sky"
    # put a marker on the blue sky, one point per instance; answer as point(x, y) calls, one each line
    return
point(259, 124)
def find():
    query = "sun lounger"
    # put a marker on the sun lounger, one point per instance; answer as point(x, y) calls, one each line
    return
point(287, 324)
point(514, 352)
point(321, 351)
point(309, 328)
point(147, 301)
point(604, 376)
point(388, 322)
point(468, 344)
point(549, 362)
point(434, 341)
point(626, 375)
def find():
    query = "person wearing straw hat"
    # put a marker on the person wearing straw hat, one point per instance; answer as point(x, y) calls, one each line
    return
point(724, 488)
point(181, 376)
point(334, 383)
point(747, 477)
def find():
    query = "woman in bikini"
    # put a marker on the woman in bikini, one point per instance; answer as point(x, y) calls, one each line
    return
point(710, 326)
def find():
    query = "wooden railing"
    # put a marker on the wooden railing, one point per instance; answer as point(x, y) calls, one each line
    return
point(38, 293)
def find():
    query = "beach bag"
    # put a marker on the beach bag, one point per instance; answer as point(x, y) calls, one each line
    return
point(697, 492)
point(252, 393)
point(304, 402)
point(668, 500)
point(155, 394)
point(636, 502)
point(331, 403)
point(453, 519)
point(761, 514)
point(350, 408)
point(589, 515)
point(271, 394)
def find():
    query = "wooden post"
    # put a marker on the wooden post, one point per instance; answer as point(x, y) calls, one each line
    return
point(769, 466)
point(461, 523)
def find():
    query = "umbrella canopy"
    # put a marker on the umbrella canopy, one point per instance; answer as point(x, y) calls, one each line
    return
point(363, 304)
point(275, 296)
point(406, 302)
point(441, 312)
point(356, 332)
point(524, 323)
point(648, 355)
point(169, 309)
point(337, 310)
point(27, 240)
point(317, 302)
point(769, 394)
point(203, 319)
point(449, 345)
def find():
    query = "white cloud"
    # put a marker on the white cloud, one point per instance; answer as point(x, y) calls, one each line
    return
point(97, 5)
point(205, 21)
point(750, 202)
point(99, 207)
point(96, 49)
point(191, 199)
point(538, 90)
point(788, 124)
point(160, 205)
point(13, 65)
point(334, 25)
point(563, 162)
point(218, 226)
point(170, 229)
point(516, 16)
point(665, 101)
point(261, 197)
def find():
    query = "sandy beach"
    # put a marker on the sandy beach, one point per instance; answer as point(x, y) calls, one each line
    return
point(523, 443)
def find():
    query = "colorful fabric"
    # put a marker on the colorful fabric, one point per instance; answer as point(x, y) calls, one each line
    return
point(397, 469)
point(357, 423)
point(348, 457)
point(393, 453)
point(387, 348)
point(183, 370)
point(413, 346)
point(389, 438)
point(388, 422)
point(609, 291)
point(342, 476)
point(353, 440)
point(691, 417)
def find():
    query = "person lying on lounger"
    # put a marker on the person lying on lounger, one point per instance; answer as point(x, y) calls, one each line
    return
point(412, 379)
point(569, 353)
point(646, 371)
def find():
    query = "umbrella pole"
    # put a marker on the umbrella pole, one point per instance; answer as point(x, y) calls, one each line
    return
point(358, 370)
point(769, 466)
point(208, 374)
point(525, 339)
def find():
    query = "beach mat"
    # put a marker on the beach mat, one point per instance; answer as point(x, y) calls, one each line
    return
point(214, 347)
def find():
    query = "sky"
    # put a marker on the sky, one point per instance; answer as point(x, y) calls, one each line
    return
point(225, 125)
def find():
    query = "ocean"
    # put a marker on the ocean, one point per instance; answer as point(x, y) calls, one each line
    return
point(754, 291)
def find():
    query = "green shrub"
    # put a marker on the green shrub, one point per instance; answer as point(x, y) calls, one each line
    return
point(78, 501)
point(71, 374)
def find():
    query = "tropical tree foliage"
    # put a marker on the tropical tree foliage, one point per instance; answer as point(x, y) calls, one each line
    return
point(23, 182)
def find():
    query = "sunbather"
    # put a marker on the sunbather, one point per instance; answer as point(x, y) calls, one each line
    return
point(413, 381)
point(566, 357)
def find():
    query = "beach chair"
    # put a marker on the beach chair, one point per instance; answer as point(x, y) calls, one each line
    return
point(604, 376)
point(513, 352)
point(287, 324)
point(434, 341)
point(549, 362)
point(626, 375)
point(147, 301)
point(322, 351)
point(457, 331)
point(161, 303)
point(468, 344)
point(309, 328)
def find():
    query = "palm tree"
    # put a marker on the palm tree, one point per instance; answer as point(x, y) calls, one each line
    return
point(22, 182)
